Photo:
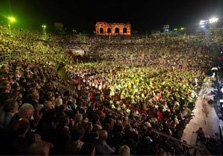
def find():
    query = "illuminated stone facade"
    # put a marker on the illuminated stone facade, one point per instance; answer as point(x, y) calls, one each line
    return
point(103, 28)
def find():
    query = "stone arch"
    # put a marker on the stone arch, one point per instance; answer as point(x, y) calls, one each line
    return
point(124, 30)
point(117, 30)
point(109, 30)
point(101, 30)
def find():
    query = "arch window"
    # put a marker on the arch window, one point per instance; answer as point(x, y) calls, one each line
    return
point(109, 30)
point(116, 30)
point(101, 30)
point(124, 30)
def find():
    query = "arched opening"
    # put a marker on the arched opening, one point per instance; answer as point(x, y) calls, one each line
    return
point(124, 30)
point(117, 30)
point(109, 30)
point(101, 30)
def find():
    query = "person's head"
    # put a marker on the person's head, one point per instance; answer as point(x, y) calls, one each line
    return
point(124, 150)
point(64, 120)
point(5, 86)
point(103, 135)
point(48, 104)
point(77, 133)
point(111, 123)
point(26, 111)
point(78, 117)
point(11, 105)
point(95, 119)
point(5, 68)
point(88, 126)
point(35, 94)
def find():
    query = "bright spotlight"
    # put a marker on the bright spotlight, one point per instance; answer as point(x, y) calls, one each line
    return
point(182, 28)
point(203, 22)
point(202, 26)
point(44, 26)
point(11, 19)
point(213, 20)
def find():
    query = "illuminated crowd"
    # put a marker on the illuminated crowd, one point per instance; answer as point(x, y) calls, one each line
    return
point(118, 104)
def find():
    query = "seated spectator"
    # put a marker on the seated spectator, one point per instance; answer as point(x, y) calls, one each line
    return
point(5, 90)
point(39, 147)
point(101, 146)
point(26, 111)
point(76, 144)
point(10, 109)
point(124, 151)
point(19, 140)
point(88, 136)
point(88, 149)
point(62, 133)
point(146, 147)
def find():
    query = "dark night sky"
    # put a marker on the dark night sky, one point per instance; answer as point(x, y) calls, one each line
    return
point(145, 15)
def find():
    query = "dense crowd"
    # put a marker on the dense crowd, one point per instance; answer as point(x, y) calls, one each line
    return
point(105, 107)
point(27, 45)
point(41, 117)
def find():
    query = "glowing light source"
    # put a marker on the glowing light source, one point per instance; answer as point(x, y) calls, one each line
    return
point(44, 26)
point(175, 29)
point(11, 19)
point(182, 28)
point(213, 20)
point(203, 22)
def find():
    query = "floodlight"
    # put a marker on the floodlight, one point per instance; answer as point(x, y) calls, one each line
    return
point(11, 19)
point(203, 22)
point(202, 26)
point(182, 28)
point(175, 29)
point(44, 26)
point(213, 20)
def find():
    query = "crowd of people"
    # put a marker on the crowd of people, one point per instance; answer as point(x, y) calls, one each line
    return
point(114, 106)
point(26, 45)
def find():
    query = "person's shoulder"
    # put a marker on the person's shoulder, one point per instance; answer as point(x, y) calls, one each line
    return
point(15, 117)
